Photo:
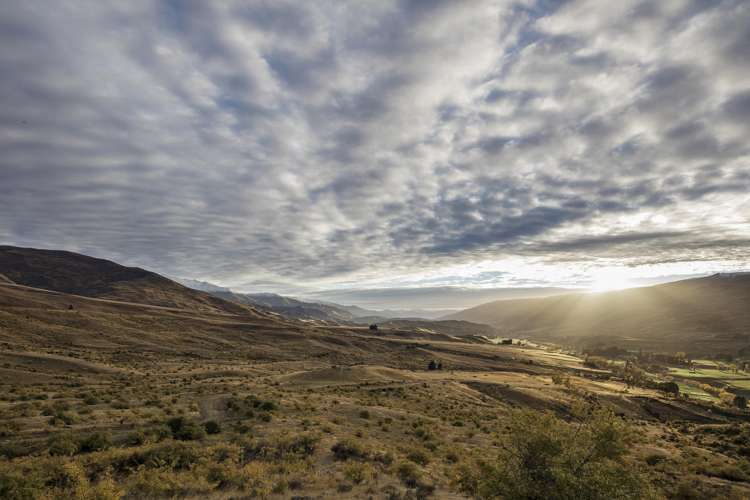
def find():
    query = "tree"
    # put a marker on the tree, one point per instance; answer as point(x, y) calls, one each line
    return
point(740, 402)
point(670, 388)
point(545, 457)
point(432, 365)
point(373, 327)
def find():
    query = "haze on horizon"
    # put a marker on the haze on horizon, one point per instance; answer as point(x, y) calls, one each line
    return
point(322, 148)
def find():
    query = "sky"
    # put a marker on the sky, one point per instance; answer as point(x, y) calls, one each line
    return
point(316, 147)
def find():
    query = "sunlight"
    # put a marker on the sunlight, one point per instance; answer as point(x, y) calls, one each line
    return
point(608, 279)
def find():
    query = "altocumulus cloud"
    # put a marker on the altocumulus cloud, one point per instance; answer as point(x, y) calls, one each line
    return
point(330, 143)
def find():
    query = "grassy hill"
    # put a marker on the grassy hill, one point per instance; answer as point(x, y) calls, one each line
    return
point(78, 274)
point(707, 314)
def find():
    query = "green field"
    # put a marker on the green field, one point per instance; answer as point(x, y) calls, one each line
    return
point(708, 373)
point(695, 392)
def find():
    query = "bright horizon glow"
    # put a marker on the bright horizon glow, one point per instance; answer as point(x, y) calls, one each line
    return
point(607, 280)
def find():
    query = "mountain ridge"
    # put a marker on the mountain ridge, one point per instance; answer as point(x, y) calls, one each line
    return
point(78, 274)
point(671, 314)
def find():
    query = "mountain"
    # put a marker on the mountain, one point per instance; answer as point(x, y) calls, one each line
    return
point(706, 314)
point(301, 309)
point(287, 306)
point(454, 328)
point(77, 274)
point(203, 286)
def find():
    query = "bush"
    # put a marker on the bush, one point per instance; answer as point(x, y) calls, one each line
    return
point(348, 448)
point(282, 448)
point(62, 445)
point(18, 486)
point(358, 472)
point(184, 429)
point(418, 457)
point(90, 400)
point(546, 457)
point(95, 442)
point(212, 427)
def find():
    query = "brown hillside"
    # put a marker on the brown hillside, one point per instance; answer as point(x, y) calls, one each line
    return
point(77, 274)
point(708, 313)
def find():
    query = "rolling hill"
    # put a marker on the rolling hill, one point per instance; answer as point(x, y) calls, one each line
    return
point(287, 306)
point(454, 328)
point(705, 314)
point(77, 274)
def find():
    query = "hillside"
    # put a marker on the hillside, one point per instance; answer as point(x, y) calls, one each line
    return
point(78, 274)
point(287, 306)
point(454, 328)
point(707, 314)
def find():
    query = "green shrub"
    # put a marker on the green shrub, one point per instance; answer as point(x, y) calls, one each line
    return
point(90, 400)
point(185, 430)
point(62, 445)
point(547, 457)
point(15, 485)
point(97, 441)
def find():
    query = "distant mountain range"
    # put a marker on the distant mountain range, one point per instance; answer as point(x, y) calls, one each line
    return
point(300, 309)
point(705, 314)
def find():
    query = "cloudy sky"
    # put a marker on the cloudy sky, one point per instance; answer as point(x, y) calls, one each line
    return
point(324, 145)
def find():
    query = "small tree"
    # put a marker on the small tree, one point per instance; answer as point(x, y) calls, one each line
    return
point(740, 402)
point(432, 365)
point(670, 388)
point(373, 327)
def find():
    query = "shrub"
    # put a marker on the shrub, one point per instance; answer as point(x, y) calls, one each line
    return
point(14, 449)
point(62, 445)
point(418, 457)
point(364, 414)
point(282, 448)
point(348, 448)
point(358, 472)
point(546, 457)
point(97, 441)
point(184, 429)
point(8, 429)
point(90, 400)
point(408, 473)
point(165, 484)
point(15, 485)
point(212, 427)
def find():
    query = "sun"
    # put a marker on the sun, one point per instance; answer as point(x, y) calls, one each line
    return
point(605, 280)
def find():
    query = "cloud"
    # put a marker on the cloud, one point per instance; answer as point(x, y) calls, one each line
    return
point(318, 144)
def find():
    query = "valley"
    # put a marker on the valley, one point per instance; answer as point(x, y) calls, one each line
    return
point(103, 398)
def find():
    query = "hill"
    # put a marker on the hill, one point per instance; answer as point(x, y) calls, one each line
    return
point(454, 328)
point(289, 307)
point(708, 314)
point(77, 274)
